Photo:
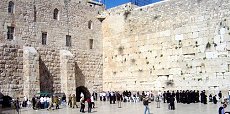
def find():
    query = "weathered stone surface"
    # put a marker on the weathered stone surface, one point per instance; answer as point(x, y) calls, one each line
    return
point(185, 41)
point(30, 19)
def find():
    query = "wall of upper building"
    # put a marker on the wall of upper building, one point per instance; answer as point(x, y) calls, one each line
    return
point(34, 23)
point(30, 20)
point(174, 44)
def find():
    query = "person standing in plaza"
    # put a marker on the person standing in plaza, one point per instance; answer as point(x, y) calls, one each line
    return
point(220, 96)
point(229, 96)
point(111, 97)
point(92, 101)
point(74, 102)
point(164, 96)
point(34, 102)
point(50, 103)
point(172, 104)
point(221, 109)
point(17, 105)
point(89, 105)
point(177, 96)
point(146, 104)
point(214, 99)
point(70, 101)
point(82, 102)
point(119, 99)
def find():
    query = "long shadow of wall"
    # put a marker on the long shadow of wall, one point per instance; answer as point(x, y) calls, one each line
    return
point(46, 79)
point(80, 78)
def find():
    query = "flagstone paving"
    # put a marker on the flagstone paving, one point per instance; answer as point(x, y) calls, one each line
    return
point(132, 108)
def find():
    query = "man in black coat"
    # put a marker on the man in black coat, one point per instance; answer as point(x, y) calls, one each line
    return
point(178, 96)
point(34, 102)
point(172, 104)
point(164, 96)
point(220, 95)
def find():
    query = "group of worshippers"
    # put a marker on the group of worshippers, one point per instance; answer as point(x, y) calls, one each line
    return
point(188, 96)
point(47, 102)
point(183, 96)
point(125, 96)
point(110, 96)
point(214, 98)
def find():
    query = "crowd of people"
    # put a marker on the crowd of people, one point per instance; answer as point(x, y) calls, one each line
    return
point(170, 97)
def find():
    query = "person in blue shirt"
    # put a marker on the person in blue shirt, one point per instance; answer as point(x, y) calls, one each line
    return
point(221, 109)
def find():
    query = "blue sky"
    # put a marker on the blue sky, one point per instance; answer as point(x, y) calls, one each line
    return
point(113, 3)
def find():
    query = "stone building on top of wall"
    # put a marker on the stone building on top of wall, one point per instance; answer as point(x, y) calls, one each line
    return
point(50, 46)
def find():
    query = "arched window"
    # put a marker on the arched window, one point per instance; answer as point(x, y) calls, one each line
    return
point(90, 24)
point(11, 7)
point(56, 15)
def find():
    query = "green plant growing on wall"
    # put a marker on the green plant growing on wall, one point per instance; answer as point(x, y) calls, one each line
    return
point(126, 13)
point(169, 82)
point(208, 45)
point(196, 44)
point(181, 73)
point(180, 42)
point(121, 49)
point(215, 44)
point(114, 73)
point(133, 61)
point(147, 62)
point(156, 17)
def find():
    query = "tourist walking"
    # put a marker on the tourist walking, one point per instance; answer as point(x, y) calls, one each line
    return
point(221, 109)
point(89, 105)
point(50, 103)
point(146, 104)
point(214, 99)
point(119, 99)
point(92, 101)
point(34, 102)
point(82, 102)
point(70, 101)
point(17, 105)
point(220, 96)
point(74, 102)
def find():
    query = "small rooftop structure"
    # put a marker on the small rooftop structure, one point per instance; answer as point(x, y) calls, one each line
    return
point(94, 2)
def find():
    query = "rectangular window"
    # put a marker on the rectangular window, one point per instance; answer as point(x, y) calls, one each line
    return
point(68, 40)
point(90, 43)
point(44, 38)
point(10, 33)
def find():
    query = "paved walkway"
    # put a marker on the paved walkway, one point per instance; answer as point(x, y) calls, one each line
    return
point(133, 108)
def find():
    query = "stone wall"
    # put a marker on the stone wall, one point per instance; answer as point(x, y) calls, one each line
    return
point(11, 70)
point(49, 68)
point(88, 68)
point(32, 18)
point(168, 45)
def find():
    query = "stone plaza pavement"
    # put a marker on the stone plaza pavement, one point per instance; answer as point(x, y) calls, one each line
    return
point(133, 108)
